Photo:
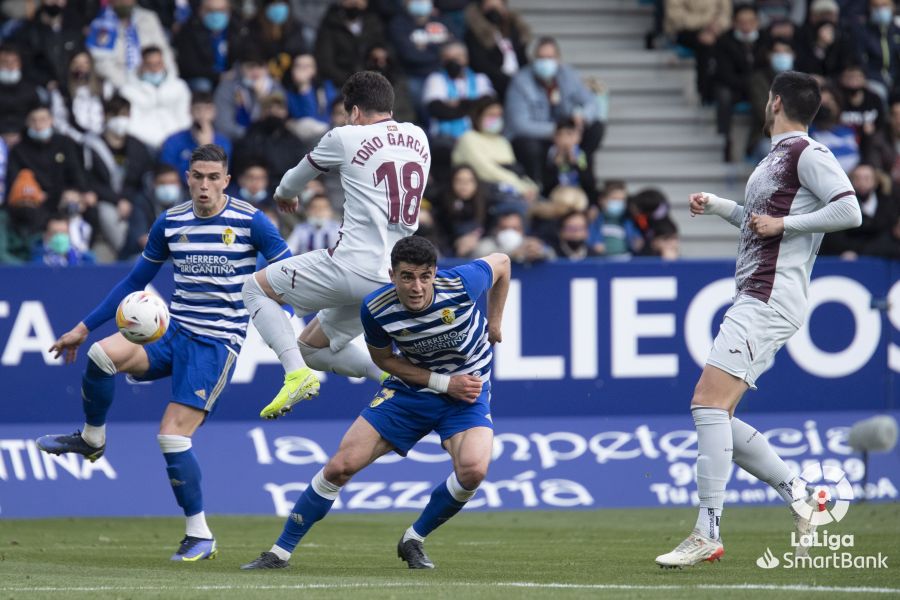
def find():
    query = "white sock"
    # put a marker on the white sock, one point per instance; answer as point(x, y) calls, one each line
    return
point(94, 435)
point(753, 453)
point(195, 526)
point(708, 522)
point(280, 552)
point(411, 535)
point(714, 455)
point(323, 487)
point(350, 361)
point(273, 325)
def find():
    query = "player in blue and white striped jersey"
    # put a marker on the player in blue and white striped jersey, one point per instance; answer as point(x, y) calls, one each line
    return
point(440, 381)
point(213, 242)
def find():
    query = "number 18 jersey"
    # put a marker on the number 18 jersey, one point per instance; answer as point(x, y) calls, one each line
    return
point(384, 168)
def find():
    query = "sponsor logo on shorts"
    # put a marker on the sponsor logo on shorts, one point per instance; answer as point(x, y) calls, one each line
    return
point(384, 394)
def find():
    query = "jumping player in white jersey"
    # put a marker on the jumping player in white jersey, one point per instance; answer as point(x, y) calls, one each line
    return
point(797, 193)
point(384, 168)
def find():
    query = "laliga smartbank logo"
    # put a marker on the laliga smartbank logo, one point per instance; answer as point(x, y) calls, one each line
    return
point(822, 496)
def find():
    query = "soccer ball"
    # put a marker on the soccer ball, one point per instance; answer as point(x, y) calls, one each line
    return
point(142, 317)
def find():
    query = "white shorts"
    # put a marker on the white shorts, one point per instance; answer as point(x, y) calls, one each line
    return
point(314, 282)
point(750, 335)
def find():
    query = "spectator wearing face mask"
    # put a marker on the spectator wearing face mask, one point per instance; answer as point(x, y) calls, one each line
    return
point(572, 237)
point(613, 232)
point(16, 94)
point(345, 32)
point(491, 154)
point(116, 163)
point(539, 96)
point(509, 237)
point(824, 45)
point(205, 45)
point(737, 55)
point(461, 210)
point(878, 46)
point(77, 104)
point(863, 110)
point(309, 98)
point(319, 230)
point(567, 163)
point(277, 35)
point(418, 34)
point(497, 38)
point(238, 97)
point(117, 36)
point(177, 149)
point(55, 247)
point(378, 58)
point(270, 139)
point(253, 183)
point(828, 130)
point(164, 192)
point(47, 41)
point(780, 58)
point(159, 97)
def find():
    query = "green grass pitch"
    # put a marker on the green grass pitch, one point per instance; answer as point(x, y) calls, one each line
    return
point(583, 554)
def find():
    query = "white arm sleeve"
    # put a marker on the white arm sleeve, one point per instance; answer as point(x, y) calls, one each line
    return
point(820, 173)
point(329, 152)
point(729, 210)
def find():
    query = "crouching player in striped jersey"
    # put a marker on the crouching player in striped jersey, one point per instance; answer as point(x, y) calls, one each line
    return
point(440, 381)
point(213, 241)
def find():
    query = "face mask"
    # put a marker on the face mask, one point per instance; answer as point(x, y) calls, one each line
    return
point(254, 198)
point(123, 12)
point(154, 79)
point(277, 13)
point(59, 243)
point(882, 15)
point(545, 68)
point(747, 38)
point(494, 16)
point(168, 194)
point(509, 239)
point(453, 68)
point(10, 77)
point(316, 222)
point(420, 8)
point(40, 135)
point(80, 76)
point(118, 125)
point(782, 61)
point(52, 10)
point(492, 125)
point(216, 20)
point(352, 12)
point(614, 208)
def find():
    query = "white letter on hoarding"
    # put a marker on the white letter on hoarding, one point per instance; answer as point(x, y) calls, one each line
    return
point(628, 326)
point(867, 321)
point(700, 313)
point(583, 323)
point(894, 317)
point(31, 316)
point(509, 363)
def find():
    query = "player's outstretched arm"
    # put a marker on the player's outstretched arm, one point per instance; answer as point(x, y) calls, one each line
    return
point(143, 273)
point(500, 265)
point(704, 203)
point(329, 152)
point(466, 388)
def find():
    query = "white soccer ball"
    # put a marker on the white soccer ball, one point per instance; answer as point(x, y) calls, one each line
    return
point(142, 317)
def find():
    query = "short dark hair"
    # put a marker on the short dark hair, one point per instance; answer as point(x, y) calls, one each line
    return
point(566, 123)
point(201, 98)
point(163, 169)
point(547, 41)
point(115, 105)
point(150, 50)
point(478, 109)
point(745, 6)
point(800, 95)
point(209, 153)
point(9, 48)
point(370, 91)
point(414, 250)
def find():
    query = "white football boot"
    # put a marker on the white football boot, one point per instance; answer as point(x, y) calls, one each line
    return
point(694, 550)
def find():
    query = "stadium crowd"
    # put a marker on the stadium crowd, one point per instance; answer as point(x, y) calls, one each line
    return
point(102, 101)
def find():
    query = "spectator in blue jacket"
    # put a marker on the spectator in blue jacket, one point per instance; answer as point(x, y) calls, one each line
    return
point(176, 150)
point(309, 98)
point(418, 35)
point(878, 40)
point(540, 95)
point(239, 93)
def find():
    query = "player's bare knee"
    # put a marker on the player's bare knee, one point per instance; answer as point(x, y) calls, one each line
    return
point(340, 469)
point(471, 476)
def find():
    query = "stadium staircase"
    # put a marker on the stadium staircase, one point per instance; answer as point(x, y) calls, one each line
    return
point(657, 134)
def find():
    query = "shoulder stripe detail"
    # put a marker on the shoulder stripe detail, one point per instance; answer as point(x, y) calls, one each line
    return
point(381, 302)
point(315, 164)
point(180, 208)
point(242, 205)
point(843, 195)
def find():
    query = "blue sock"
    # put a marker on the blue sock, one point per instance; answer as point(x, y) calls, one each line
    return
point(440, 507)
point(184, 475)
point(309, 508)
point(97, 390)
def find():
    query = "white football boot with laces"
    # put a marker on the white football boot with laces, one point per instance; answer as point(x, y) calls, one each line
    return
point(694, 550)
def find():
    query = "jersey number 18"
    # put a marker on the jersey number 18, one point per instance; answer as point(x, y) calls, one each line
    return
point(404, 193)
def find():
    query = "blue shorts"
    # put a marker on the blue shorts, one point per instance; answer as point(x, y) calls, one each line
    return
point(200, 368)
point(403, 417)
